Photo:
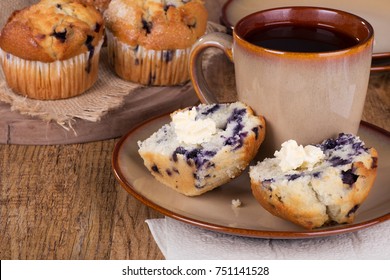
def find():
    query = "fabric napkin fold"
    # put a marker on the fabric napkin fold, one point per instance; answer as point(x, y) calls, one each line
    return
point(181, 241)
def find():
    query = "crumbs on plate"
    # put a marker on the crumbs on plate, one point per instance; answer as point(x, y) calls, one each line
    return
point(236, 203)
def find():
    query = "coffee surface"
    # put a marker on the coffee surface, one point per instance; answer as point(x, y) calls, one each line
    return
point(298, 38)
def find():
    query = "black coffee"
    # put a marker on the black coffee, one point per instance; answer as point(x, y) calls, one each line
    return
point(296, 38)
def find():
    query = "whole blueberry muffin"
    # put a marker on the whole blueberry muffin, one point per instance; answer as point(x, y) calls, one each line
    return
point(203, 147)
point(316, 185)
point(50, 50)
point(149, 40)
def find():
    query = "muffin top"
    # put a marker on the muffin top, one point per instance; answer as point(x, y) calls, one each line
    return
point(101, 5)
point(52, 30)
point(157, 24)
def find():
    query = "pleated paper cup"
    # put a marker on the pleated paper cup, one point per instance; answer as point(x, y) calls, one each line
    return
point(53, 80)
point(148, 67)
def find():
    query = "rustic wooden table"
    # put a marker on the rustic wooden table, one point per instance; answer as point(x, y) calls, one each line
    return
point(63, 201)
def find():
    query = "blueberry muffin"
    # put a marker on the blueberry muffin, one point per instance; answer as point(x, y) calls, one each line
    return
point(149, 41)
point(203, 147)
point(50, 50)
point(317, 185)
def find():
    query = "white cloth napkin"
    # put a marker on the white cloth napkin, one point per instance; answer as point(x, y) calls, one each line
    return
point(181, 241)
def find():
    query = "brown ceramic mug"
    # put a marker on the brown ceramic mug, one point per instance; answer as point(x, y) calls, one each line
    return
point(305, 69)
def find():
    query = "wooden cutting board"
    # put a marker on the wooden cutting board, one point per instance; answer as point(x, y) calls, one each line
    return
point(139, 106)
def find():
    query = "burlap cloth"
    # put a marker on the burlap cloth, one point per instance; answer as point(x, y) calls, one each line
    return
point(108, 92)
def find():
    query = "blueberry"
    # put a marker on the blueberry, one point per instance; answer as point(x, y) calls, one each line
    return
point(209, 153)
point(345, 139)
point(168, 55)
point(237, 115)
point(348, 177)
point(209, 164)
point(88, 41)
point(357, 146)
point(329, 144)
point(337, 161)
point(192, 154)
point(230, 141)
point(211, 110)
point(353, 210)
point(147, 25)
point(155, 168)
point(256, 132)
point(91, 49)
point(292, 177)
point(60, 36)
point(179, 150)
point(236, 141)
point(167, 6)
point(237, 129)
point(175, 170)
point(97, 27)
point(196, 156)
point(191, 25)
point(316, 174)
point(267, 184)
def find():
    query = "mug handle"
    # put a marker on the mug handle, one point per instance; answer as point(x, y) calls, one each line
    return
point(217, 40)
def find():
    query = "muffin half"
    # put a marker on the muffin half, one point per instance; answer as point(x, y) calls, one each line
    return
point(315, 186)
point(203, 147)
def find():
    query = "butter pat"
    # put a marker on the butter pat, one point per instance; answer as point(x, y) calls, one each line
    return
point(190, 130)
point(293, 156)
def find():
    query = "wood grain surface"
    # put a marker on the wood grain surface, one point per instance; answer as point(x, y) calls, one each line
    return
point(63, 202)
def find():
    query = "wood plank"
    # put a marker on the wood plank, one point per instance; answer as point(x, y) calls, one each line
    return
point(63, 202)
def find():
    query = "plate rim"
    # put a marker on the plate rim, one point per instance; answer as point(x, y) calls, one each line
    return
point(270, 234)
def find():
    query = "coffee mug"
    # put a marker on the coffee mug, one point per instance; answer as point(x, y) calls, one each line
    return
point(305, 69)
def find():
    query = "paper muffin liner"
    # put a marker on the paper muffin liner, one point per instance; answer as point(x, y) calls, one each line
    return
point(148, 67)
point(54, 80)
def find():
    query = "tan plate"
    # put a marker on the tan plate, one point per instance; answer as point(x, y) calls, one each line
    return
point(376, 12)
point(214, 210)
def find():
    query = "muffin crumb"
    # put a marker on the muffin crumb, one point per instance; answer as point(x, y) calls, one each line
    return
point(236, 203)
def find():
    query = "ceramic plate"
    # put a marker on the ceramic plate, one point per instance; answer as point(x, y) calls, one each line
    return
point(214, 211)
point(377, 12)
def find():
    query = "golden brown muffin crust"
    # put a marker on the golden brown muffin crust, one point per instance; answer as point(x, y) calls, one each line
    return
point(101, 5)
point(52, 30)
point(157, 25)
